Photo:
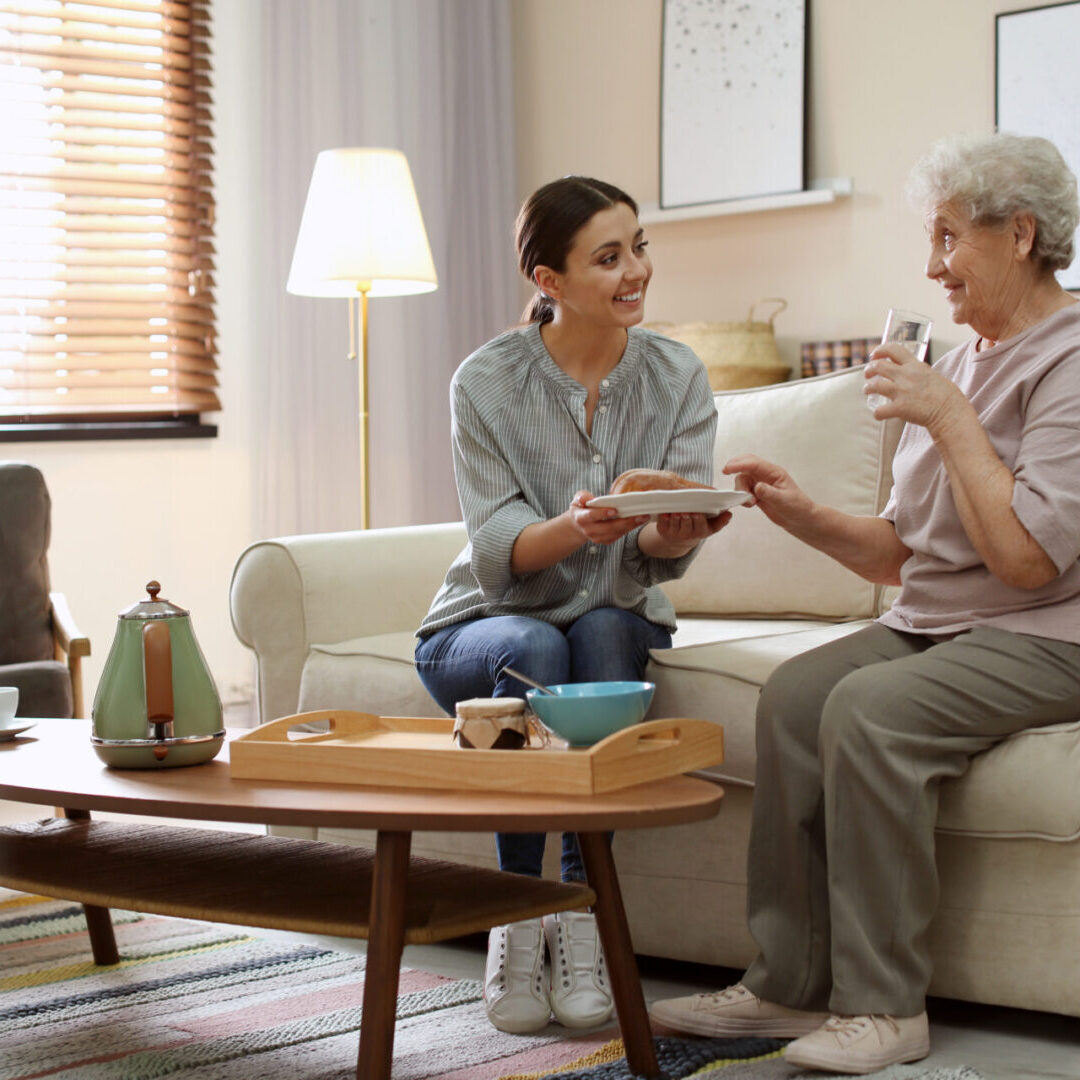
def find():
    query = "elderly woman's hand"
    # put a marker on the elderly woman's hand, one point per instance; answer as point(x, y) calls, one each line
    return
point(914, 391)
point(780, 498)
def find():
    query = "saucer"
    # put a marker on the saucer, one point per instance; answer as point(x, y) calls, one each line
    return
point(16, 727)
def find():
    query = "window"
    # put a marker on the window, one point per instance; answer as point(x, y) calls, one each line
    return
point(106, 218)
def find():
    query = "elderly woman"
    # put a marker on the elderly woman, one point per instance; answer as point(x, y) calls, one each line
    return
point(982, 534)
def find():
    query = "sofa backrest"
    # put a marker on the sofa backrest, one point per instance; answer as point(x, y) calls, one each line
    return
point(821, 431)
point(25, 615)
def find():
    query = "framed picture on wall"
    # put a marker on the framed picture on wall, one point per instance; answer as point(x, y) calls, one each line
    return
point(1038, 84)
point(732, 112)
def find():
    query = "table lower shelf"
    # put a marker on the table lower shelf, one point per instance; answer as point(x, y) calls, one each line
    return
point(269, 881)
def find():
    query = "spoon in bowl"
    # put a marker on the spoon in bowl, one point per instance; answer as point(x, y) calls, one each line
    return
point(528, 682)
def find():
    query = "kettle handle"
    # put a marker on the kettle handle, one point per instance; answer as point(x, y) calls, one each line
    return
point(157, 670)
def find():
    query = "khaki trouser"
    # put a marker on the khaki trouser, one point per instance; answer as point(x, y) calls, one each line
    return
point(853, 739)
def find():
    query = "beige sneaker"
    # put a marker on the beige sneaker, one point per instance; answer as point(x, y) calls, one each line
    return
point(862, 1044)
point(735, 1011)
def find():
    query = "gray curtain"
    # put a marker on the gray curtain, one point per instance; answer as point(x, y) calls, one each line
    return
point(431, 78)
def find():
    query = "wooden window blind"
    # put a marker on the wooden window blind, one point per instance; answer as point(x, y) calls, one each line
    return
point(106, 211)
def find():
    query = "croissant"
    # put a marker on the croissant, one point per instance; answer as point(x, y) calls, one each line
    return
point(651, 480)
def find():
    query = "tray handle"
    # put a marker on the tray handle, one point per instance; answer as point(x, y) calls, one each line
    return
point(682, 734)
point(341, 721)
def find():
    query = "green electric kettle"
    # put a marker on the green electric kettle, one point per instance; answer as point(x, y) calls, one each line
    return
point(156, 704)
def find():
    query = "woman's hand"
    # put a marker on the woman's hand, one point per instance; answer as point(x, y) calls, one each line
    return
point(600, 525)
point(915, 392)
point(689, 529)
point(545, 543)
point(671, 536)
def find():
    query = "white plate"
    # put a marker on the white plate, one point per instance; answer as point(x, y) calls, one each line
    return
point(682, 501)
point(16, 728)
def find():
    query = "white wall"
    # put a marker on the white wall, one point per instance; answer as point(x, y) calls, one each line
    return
point(886, 79)
point(178, 510)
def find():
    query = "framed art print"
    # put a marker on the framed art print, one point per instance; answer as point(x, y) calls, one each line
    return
point(1037, 87)
point(732, 100)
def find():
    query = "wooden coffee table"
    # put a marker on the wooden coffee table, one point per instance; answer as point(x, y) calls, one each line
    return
point(310, 886)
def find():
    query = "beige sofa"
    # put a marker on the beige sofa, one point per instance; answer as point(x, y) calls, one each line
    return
point(331, 618)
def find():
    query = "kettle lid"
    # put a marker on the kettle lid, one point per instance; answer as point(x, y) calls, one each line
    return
point(153, 608)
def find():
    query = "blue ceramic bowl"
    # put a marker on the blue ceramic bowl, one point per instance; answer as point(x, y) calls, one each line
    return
point(584, 713)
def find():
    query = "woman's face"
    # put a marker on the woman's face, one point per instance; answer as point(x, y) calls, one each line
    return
point(607, 270)
point(981, 267)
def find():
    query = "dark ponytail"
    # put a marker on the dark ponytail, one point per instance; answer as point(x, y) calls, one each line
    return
point(547, 224)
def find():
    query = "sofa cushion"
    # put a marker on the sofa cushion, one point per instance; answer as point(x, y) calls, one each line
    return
point(728, 675)
point(44, 687)
point(821, 431)
point(1025, 786)
point(371, 674)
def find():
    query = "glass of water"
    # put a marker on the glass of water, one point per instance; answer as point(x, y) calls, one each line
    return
point(907, 328)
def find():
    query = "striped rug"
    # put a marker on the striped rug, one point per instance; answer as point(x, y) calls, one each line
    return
point(200, 1001)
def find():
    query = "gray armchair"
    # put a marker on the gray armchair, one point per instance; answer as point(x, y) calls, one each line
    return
point(41, 649)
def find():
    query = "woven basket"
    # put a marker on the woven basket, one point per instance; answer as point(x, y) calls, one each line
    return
point(735, 354)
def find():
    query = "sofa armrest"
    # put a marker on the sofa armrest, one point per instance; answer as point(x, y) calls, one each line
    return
point(292, 592)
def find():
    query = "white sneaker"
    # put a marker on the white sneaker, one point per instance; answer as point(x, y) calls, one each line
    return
point(580, 989)
point(735, 1011)
point(515, 996)
point(862, 1044)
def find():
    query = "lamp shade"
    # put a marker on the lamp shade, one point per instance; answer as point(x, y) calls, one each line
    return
point(361, 229)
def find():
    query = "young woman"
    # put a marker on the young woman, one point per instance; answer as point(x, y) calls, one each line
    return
point(545, 416)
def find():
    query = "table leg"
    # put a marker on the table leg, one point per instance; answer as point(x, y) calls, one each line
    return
point(98, 920)
point(619, 952)
point(386, 939)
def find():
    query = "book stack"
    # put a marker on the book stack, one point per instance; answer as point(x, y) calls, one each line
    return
point(821, 357)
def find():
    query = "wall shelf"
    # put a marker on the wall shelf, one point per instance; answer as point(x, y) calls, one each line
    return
point(820, 191)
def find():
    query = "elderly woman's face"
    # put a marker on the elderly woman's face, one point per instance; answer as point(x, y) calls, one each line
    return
point(978, 267)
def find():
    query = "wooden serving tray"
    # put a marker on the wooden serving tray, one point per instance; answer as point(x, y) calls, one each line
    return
point(406, 751)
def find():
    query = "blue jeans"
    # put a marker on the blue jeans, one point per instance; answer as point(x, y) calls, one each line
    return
point(464, 661)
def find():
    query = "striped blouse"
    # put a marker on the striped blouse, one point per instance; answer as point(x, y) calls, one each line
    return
point(521, 451)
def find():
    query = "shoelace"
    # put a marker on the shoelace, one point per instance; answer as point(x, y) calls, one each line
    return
point(731, 993)
point(851, 1027)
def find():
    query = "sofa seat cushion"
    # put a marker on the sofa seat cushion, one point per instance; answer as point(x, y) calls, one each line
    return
point(1023, 787)
point(44, 687)
point(705, 630)
point(370, 674)
point(1026, 786)
point(729, 674)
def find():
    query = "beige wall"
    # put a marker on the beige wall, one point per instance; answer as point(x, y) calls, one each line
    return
point(176, 510)
point(885, 79)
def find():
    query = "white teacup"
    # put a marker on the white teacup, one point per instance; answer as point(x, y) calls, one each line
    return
point(9, 702)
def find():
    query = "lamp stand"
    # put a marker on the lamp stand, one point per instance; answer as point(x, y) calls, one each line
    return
point(362, 288)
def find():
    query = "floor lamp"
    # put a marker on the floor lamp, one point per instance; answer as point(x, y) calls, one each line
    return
point(361, 235)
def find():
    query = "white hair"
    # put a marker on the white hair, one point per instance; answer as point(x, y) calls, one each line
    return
point(996, 176)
